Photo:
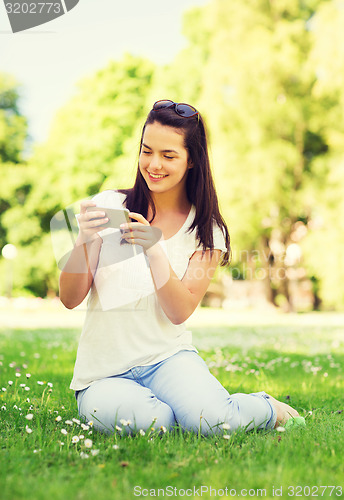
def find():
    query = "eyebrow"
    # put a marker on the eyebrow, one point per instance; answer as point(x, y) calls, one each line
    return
point(163, 150)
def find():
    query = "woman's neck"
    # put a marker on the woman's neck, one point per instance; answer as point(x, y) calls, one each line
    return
point(167, 204)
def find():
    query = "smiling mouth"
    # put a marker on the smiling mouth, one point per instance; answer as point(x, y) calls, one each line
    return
point(157, 176)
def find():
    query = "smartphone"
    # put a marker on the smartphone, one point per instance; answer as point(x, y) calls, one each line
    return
point(116, 216)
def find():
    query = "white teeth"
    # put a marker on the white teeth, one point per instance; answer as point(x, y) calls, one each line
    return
point(156, 176)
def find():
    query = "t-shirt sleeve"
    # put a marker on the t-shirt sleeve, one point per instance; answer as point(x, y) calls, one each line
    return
point(219, 239)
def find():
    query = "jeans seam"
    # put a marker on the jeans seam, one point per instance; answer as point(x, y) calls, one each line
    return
point(273, 412)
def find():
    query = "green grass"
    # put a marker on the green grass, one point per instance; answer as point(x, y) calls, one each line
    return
point(295, 360)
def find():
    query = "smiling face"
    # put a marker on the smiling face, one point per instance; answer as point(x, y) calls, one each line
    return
point(163, 159)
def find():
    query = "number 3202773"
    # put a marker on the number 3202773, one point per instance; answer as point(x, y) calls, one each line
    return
point(33, 8)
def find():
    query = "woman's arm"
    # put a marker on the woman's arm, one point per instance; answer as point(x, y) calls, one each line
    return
point(77, 275)
point(179, 298)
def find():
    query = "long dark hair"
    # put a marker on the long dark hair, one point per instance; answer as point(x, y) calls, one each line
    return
point(200, 187)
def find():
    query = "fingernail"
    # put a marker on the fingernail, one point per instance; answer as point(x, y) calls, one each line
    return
point(123, 226)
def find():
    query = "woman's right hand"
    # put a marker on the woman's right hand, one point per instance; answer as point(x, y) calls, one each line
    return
point(89, 223)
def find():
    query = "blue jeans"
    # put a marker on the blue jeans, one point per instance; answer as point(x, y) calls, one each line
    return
point(178, 390)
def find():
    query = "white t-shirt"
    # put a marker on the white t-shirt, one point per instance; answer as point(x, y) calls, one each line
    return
point(125, 326)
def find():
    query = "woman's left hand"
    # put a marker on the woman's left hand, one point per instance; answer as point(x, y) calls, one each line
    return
point(141, 232)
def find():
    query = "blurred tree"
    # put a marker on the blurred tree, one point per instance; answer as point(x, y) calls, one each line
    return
point(268, 138)
point(323, 247)
point(13, 134)
point(13, 126)
point(92, 146)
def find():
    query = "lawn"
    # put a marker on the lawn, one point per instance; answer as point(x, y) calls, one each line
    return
point(296, 358)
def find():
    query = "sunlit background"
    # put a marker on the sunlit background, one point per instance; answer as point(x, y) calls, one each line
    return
point(268, 77)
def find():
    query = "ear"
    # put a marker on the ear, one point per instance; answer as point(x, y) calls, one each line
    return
point(190, 164)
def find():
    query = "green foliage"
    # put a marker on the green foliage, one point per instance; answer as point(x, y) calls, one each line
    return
point(260, 93)
point(13, 134)
point(13, 126)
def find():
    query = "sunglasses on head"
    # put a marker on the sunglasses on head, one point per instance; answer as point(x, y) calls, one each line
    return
point(180, 108)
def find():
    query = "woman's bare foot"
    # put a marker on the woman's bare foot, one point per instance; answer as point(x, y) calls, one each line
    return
point(284, 411)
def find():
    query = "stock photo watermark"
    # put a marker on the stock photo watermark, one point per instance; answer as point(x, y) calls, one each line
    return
point(122, 276)
point(209, 491)
point(24, 15)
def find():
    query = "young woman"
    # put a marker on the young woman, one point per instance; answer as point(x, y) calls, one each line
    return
point(135, 362)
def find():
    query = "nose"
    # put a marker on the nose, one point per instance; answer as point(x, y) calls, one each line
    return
point(155, 162)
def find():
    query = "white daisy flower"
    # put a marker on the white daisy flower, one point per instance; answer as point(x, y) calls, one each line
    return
point(29, 416)
point(58, 418)
point(76, 421)
point(28, 375)
point(163, 429)
point(10, 382)
point(75, 439)
point(50, 384)
point(39, 382)
point(280, 429)
point(26, 388)
point(94, 452)
point(68, 422)
point(125, 422)
point(142, 432)
point(115, 447)
point(83, 455)
point(118, 428)
point(88, 443)
point(226, 426)
point(85, 427)
point(226, 436)
point(64, 432)
point(28, 430)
